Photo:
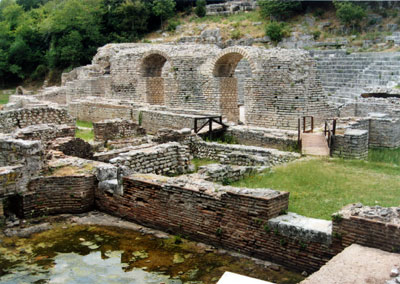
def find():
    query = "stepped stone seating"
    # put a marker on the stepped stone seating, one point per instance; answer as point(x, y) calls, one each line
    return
point(346, 77)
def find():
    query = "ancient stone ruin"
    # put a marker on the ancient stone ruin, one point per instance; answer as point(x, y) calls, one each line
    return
point(147, 102)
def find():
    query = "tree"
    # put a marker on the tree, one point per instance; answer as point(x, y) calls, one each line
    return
point(349, 14)
point(164, 9)
point(276, 31)
point(278, 9)
point(200, 9)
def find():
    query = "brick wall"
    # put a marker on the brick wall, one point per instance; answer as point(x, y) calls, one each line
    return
point(371, 230)
point(155, 90)
point(56, 195)
point(229, 98)
point(98, 111)
point(232, 220)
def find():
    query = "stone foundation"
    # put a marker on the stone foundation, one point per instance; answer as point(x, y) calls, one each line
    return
point(20, 118)
point(169, 158)
point(239, 154)
point(116, 129)
point(353, 144)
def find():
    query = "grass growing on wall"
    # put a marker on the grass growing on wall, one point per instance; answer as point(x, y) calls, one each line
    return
point(84, 130)
point(321, 187)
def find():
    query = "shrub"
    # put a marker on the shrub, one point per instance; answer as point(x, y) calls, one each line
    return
point(236, 34)
point(349, 14)
point(172, 24)
point(278, 9)
point(200, 9)
point(276, 31)
point(316, 34)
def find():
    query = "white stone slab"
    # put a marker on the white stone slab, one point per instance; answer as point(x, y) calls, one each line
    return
point(233, 278)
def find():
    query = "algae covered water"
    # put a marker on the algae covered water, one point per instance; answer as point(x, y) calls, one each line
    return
point(97, 254)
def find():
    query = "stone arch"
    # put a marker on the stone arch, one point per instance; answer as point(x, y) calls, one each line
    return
point(223, 70)
point(151, 70)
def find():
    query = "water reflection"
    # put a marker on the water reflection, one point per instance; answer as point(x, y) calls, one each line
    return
point(94, 254)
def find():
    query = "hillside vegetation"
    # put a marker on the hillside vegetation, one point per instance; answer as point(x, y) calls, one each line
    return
point(42, 38)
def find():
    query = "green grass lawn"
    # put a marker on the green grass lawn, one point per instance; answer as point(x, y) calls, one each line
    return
point(85, 134)
point(320, 187)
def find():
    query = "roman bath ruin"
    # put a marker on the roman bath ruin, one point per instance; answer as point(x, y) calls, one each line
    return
point(154, 108)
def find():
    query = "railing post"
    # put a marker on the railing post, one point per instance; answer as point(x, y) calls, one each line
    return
point(326, 125)
point(304, 124)
point(210, 127)
point(312, 124)
point(195, 125)
point(298, 132)
point(334, 127)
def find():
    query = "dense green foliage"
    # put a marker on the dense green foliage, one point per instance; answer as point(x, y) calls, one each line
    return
point(200, 9)
point(278, 9)
point(349, 14)
point(276, 31)
point(42, 36)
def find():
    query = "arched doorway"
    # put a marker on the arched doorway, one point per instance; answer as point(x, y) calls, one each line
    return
point(152, 67)
point(233, 72)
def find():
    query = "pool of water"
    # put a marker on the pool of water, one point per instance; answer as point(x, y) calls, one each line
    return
point(97, 254)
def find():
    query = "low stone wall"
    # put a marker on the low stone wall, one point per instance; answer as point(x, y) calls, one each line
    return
point(20, 118)
point(255, 136)
point(375, 226)
point(90, 110)
point(45, 132)
point(384, 132)
point(168, 158)
point(116, 129)
point(11, 180)
point(224, 173)
point(228, 217)
point(353, 144)
point(154, 120)
point(56, 195)
point(240, 154)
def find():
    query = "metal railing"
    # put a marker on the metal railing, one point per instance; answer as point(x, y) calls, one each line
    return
point(330, 131)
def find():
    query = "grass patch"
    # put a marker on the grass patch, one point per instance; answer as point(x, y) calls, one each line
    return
point(86, 131)
point(82, 123)
point(382, 155)
point(4, 96)
point(320, 187)
point(84, 134)
point(202, 162)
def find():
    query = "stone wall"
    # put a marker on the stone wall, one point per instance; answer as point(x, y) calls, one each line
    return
point(228, 217)
point(45, 132)
point(353, 144)
point(168, 158)
point(19, 162)
point(256, 136)
point(384, 132)
point(57, 195)
point(95, 110)
point(240, 154)
point(20, 118)
point(116, 129)
point(376, 226)
point(283, 84)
